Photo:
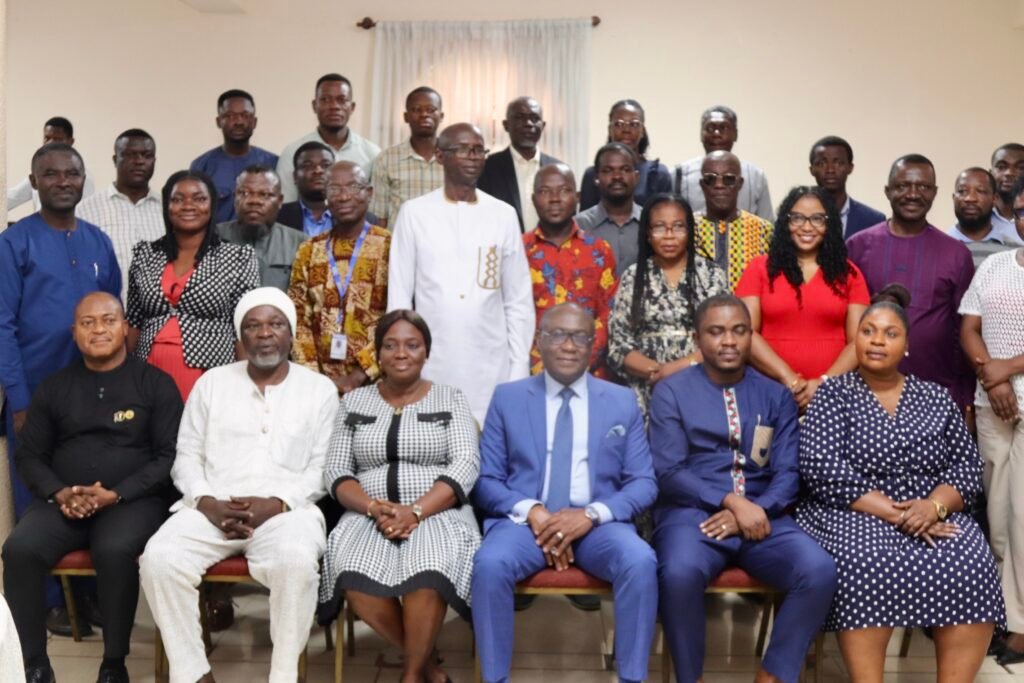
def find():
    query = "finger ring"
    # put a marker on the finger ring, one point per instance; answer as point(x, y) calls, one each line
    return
point(903, 515)
point(390, 529)
point(723, 527)
point(559, 535)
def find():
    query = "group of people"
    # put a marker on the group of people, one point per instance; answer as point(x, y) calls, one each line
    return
point(491, 370)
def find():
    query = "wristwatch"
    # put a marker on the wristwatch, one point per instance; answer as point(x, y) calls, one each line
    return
point(418, 511)
point(592, 514)
point(941, 510)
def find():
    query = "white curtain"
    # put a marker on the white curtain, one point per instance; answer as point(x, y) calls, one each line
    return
point(479, 67)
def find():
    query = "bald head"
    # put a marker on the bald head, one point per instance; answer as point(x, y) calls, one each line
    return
point(562, 171)
point(555, 199)
point(721, 180)
point(451, 135)
point(353, 169)
point(722, 159)
point(461, 151)
point(98, 299)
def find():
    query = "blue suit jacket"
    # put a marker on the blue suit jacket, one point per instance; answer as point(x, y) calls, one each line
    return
point(861, 216)
point(513, 450)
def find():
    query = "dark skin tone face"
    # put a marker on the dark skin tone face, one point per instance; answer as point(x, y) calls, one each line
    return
point(668, 219)
point(1018, 203)
point(59, 177)
point(626, 125)
point(973, 200)
point(831, 166)
point(721, 199)
point(1007, 168)
point(565, 362)
point(911, 192)
point(423, 114)
point(402, 353)
point(616, 177)
point(807, 238)
point(135, 161)
point(56, 134)
point(311, 171)
point(333, 105)
point(189, 207)
point(257, 199)
point(724, 338)
point(100, 330)
point(266, 338)
point(459, 170)
point(881, 342)
point(348, 196)
point(524, 122)
point(236, 119)
point(555, 198)
point(718, 133)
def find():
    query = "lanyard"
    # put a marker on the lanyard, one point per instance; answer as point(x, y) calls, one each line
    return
point(343, 286)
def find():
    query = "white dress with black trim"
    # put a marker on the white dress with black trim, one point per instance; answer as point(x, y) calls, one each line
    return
point(398, 456)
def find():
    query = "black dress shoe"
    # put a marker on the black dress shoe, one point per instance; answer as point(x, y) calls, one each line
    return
point(58, 623)
point(524, 602)
point(39, 674)
point(89, 610)
point(113, 676)
point(587, 603)
point(1009, 656)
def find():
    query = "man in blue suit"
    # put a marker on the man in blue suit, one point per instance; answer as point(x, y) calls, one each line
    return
point(831, 165)
point(565, 467)
point(725, 444)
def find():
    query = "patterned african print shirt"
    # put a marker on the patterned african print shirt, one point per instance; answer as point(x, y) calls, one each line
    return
point(315, 296)
point(732, 245)
point(582, 270)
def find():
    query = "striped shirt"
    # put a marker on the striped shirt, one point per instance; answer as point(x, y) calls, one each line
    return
point(400, 174)
point(125, 222)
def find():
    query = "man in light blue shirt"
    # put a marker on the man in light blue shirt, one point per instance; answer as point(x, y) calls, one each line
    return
point(574, 504)
point(974, 196)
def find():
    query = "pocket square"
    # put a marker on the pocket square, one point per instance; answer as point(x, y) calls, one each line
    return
point(617, 430)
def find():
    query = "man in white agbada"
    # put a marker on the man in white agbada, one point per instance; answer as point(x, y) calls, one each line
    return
point(251, 453)
point(457, 258)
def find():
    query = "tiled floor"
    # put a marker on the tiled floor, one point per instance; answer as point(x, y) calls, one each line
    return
point(554, 642)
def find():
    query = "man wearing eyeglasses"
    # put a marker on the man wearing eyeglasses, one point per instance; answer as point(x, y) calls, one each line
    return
point(934, 267)
point(508, 175)
point(719, 130)
point(257, 202)
point(729, 235)
point(457, 258)
point(565, 467)
point(409, 169)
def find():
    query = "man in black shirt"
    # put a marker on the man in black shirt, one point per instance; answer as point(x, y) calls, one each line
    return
point(96, 452)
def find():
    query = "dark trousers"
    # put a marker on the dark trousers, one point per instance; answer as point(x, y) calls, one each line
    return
point(116, 537)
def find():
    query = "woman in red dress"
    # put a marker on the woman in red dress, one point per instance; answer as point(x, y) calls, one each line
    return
point(805, 297)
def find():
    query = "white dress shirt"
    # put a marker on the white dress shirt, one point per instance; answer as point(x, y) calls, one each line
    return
point(236, 441)
point(464, 266)
point(526, 171)
point(125, 222)
point(579, 487)
point(356, 149)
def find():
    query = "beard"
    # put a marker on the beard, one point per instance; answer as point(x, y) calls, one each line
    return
point(267, 360)
point(973, 224)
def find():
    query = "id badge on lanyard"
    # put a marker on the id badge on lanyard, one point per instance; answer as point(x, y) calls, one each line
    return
point(339, 341)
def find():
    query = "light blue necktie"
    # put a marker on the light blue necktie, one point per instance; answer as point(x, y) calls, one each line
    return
point(560, 480)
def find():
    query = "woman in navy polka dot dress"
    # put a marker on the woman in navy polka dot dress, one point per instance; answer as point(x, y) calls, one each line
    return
point(889, 467)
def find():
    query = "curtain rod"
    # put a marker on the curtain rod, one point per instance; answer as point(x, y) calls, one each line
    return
point(368, 23)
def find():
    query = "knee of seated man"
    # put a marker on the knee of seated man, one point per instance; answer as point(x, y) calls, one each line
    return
point(682, 574)
point(816, 570)
point(638, 559)
point(23, 545)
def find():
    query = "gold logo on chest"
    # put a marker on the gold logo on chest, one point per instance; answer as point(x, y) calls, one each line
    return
point(124, 416)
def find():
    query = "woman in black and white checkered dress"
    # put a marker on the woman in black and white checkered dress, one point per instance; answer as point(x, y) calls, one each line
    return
point(402, 460)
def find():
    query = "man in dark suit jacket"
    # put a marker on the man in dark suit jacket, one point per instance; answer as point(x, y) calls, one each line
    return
point(510, 178)
point(565, 467)
point(831, 165)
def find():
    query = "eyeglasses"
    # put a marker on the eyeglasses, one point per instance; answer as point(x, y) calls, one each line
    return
point(711, 179)
point(262, 195)
point(467, 152)
point(818, 220)
point(660, 229)
point(635, 124)
point(350, 190)
point(1019, 214)
point(580, 340)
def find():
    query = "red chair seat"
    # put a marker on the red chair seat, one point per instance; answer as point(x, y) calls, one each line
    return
point(232, 566)
point(76, 559)
point(735, 578)
point(570, 578)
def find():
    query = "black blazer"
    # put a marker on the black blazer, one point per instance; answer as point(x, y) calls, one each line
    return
point(499, 179)
point(291, 215)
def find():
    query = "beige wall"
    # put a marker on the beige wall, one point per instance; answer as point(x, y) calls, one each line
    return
point(892, 76)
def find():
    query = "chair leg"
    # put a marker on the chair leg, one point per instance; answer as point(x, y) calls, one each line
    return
point(161, 668)
point(819, 658)
point(478, 676)
point(328, 638)
point(339, 653)
point(666, 660)
point(350, 623)
point(303, 664)
point(905, 643)
point(770, 606)
point(203, 621)
point(69, 603)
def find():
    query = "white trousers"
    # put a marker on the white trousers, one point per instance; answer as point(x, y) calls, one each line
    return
point(283, 554)
point(1002, 448)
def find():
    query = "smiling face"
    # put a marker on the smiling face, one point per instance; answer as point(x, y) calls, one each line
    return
point(881, 341)
point(403, 352)
point(100, 329)
point(189, 208)
point(266, 337)
point(59, 177)
point(348, 193)
point(626, 125)
point(565, 340)
point(911, 192)
point(807, 238)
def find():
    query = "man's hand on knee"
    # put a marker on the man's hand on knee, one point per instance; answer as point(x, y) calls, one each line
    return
point(232, 520)
point(750, 517)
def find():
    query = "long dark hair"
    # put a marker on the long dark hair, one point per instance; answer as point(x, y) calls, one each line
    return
point(168, 243)
point(645, 251)
point(645, 141)
point(831, 254)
